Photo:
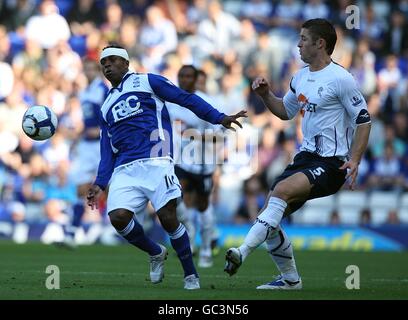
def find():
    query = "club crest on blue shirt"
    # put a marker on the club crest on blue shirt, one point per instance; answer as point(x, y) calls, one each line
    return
point(136, 82)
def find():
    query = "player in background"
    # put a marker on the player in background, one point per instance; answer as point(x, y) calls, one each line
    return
point(136, 158)
point(85, 163)
point(335, 126)
point(201, 85)
point(201, 82)
point(196, 178)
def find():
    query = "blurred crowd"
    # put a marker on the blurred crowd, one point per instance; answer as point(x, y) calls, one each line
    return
point(43, 43)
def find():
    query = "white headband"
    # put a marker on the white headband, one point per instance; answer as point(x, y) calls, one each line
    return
point(114, 52)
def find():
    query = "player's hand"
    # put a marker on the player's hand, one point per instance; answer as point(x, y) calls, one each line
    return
point(260, 86)
point(352, 171)
point(228, 120)
point(92, 196)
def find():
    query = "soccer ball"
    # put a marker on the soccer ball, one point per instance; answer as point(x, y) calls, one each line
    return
point(39, 122)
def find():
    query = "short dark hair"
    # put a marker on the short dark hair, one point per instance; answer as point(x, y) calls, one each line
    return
point(195, 70)
point(202, 73)
point(321, 28)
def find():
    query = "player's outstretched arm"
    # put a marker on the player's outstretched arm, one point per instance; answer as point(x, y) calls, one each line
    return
point(167, 91)
point(92, 196)
point(227, 121)
point(275, 105)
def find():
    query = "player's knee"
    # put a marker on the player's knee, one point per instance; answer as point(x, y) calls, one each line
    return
point(120, 218)
point(273, 212)
point(188, 199)
point(168, 216)
point(202, 204)
point(282, 190)
point(170, 223)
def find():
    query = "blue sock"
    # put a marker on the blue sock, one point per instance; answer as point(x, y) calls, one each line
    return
point(69, 231)
point(135, 235)
point(79, 210)
point(181, 244)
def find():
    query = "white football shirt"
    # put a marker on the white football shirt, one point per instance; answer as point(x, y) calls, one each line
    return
point(331, 105)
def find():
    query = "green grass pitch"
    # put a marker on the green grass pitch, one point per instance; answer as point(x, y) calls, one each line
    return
point(121, 272)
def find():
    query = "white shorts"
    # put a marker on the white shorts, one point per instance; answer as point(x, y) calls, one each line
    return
point(86, 161)
point(134, 184)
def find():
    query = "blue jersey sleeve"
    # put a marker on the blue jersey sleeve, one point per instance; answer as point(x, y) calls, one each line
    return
point(167, 91)
point(107, 162)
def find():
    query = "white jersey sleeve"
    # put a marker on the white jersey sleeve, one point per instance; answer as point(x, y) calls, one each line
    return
point(352, 100)
point(290, 101)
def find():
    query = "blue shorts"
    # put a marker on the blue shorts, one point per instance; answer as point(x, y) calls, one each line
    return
point(192, 182)
point(323, 173)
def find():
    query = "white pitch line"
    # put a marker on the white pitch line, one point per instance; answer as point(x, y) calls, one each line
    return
point(219, 276)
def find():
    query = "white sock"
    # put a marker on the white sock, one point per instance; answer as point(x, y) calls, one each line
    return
point(207, 223)
point(181, 211)
point(266, 222)
point(280, 249)
point(186, 217)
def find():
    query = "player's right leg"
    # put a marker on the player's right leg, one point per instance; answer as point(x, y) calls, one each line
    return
point(270, 216)
point(233, 260)
point(122, 220)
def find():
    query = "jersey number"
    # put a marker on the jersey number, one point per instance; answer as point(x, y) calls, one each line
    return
point(169, 181)
point(318, 171)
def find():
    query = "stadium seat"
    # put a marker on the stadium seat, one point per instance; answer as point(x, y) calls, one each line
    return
point(349, 206)
point(78, 44)
point(17, 43)
point(380, 203)
point(316, 211)
point(403, 208)
point(64, 6)
point(297, 216)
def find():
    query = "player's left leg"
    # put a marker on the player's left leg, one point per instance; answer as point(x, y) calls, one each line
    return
point(186, 215)
point(280, 249)
point(186, 212)
point(180, 242)
point(163, 194)
point(207, 225)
